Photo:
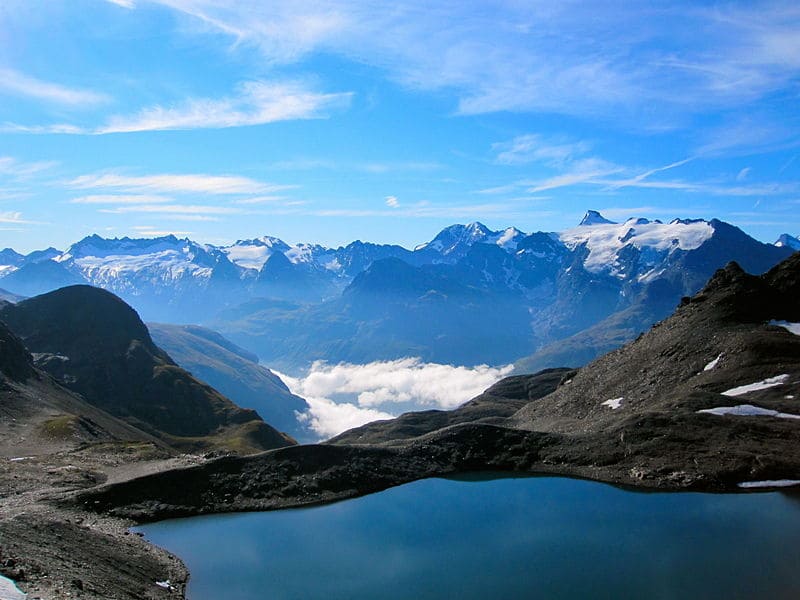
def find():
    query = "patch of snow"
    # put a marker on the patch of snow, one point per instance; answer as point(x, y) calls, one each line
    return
point(769, 483)
point(789, 397)
point(248, 257)
point(713, 363)
point(20, 458)
point(791, 327)
point(509, 238)
point(764, 384)
point(747, 410)
point(604, 241)
point(614, 403)
point(9, 590)
point(167, 585)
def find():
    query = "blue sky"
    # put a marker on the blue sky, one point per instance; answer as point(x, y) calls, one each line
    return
point(330, 121)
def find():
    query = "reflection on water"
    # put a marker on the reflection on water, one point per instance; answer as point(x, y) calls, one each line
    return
point(543, 537)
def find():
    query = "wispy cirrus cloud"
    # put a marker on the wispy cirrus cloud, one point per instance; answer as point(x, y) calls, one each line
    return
point(120, 199)
point(177, 183)
point(537, 56)
point(13, 217)
point(254, 103)
point(20, 84)
point(22, 170)
point(530, 148)
point(174, 209)
point(257, 103)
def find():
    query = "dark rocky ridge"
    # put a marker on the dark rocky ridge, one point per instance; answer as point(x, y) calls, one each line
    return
point(96, 345)
point(655, 439)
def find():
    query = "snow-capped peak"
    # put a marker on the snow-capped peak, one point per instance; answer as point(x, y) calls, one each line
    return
point(96, 246)
point(604, 241)
point(593, 217)
point(788, 241)
point(455, 240)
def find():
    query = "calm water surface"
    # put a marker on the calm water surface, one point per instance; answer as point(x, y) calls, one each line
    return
point(543, 537)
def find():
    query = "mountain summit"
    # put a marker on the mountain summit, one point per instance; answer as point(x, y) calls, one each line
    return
point(592, 217)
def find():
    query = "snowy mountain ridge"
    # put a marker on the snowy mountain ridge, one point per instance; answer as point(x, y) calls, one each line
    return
point(170, 274)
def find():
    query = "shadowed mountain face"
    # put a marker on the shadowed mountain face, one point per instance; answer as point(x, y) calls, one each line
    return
point(233, 371)
point(96, 345)
point(37, 415)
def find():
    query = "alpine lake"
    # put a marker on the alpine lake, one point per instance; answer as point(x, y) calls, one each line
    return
point(498, 537)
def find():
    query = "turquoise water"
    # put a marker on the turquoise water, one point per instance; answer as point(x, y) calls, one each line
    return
point(543, 537)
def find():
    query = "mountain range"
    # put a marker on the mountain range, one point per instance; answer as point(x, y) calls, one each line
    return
point(469, 296)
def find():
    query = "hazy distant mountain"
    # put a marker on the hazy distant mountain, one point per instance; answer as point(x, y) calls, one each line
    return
point(234, 372)
point(602, 282)
point(788, 241)
point(470, 295)
point(96, 345)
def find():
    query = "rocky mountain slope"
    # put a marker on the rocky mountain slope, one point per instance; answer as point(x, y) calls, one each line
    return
point(705, 400)
point(37, 415)
point(234, 372)
point(96, 345)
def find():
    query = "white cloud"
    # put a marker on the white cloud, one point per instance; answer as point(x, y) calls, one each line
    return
point(257, 103)
point(346, 395)
point(533, 148)
point(124, 3)
point(587, 170)
point(120, 199)
point(152, 231)
point(13, 217)
point(260, 200)
point(328, 418)
point(21, 170)
point(176, 183)
point(19, 84)
point(392, 201)
point(177, 209)
point(562, 57)
point(638, 179)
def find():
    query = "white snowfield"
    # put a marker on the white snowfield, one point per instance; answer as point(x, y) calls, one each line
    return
point(747, 410)
point(764, 384)
point(9, 590)
point(790, 327)
point(604, 241)
point(252, 254)
point(769, 483)
point(614, 403)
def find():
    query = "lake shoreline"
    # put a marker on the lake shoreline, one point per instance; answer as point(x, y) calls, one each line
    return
point(92, 521)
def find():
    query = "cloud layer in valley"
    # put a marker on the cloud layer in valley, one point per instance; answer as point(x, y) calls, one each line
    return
point(345, 395)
